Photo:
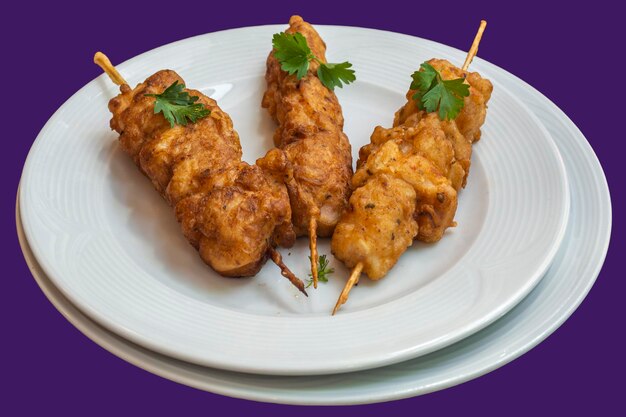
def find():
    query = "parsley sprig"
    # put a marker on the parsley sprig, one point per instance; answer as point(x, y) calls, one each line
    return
point(322, 271)
point(178, 106)
point(433, 93)
point(294, 55)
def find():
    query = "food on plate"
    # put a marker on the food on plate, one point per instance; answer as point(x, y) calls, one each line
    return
point(317, 153)
point(233, 213)
point(407, 178)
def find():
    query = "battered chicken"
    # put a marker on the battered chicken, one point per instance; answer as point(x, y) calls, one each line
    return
point(310, 132)
point(232, 212)
point(439, 141)
point(378, 226)
point(474, 111)
point(407, 179)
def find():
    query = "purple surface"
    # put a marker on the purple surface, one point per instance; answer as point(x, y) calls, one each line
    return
point(569, 53)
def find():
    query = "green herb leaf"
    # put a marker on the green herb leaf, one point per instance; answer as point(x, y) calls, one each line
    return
point(433, 93)
point(423, 80)
point(177, 105)
point(331, 75)
point(294, 55)
point(322, 271)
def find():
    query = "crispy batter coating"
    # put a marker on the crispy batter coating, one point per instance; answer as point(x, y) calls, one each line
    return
point(378, 225)
point(419, 153)
point(310, 132)
point(383, 180)
point(232, 212)
point(436, 199)
point(474, 111)
point(438, 141)
point(234, 219)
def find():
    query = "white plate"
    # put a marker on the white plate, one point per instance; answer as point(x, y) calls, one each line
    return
point(564, 286)
point(112, 246)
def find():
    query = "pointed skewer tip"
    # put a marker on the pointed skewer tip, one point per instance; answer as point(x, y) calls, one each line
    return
point(103, 62)
point(313, 249)
point(285, 271)
point(474, 48)
point(353, 280)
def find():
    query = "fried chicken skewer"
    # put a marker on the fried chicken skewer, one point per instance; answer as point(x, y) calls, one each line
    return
point(407, 179)
point(310, 133)
point(233, 213)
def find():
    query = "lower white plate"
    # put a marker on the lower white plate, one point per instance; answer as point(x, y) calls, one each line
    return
point(564, 286)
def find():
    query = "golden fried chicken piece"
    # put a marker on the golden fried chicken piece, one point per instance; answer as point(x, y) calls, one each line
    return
point(310, 131)
point(438, 141)
point(175, 159)
point(436, 199)
point(400, 195)
point(422, 152)
point(474, 111)
point(378, 226)
point(234, 219)
point(232, 212)
point(320, 183)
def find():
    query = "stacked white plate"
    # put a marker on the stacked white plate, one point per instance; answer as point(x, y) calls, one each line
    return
point(534, 219)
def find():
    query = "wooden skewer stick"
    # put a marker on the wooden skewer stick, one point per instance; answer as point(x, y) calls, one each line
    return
point(285, 271)
point(354, 279)
point(356, 271)
point(103, 62)
point(313, 248)
point(474, 48)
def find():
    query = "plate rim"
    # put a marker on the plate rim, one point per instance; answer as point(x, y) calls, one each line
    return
point(348, 366)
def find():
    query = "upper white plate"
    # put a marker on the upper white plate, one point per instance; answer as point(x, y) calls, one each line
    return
point(112, 246)
point(564, 286)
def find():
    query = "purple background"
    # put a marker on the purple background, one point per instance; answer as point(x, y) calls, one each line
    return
point(570, 53)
